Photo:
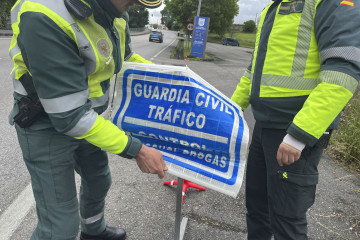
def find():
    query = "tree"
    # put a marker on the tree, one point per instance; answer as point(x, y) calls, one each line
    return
point(138, 17)
point(249, 26)
point(221, 13)
point(166, 18)
point(5, 7)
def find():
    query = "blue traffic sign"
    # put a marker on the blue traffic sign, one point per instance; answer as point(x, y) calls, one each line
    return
point(200, 132)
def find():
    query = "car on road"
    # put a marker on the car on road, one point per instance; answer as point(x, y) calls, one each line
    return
point(156, 35)
point(230, 41)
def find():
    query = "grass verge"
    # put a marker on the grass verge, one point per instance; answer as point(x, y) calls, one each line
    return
point(187, 51)
point(345, 141)
point(245, 39)
point(206, 57)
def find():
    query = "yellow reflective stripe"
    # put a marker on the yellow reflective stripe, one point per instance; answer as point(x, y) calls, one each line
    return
point(137, 58)
point(242, 92)
point(61, 22)
point(97, 54)
point(86, 3)
point(339, 78)
point(104, 134)
point(321, 108)
point(269, 91)
point(19, 67)
point(282, 44)
point(294, 53)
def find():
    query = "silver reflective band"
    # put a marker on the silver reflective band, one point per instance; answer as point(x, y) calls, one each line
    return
point(14, 51)
point(247, 74)
point(15, 11)
point(129, 56)
point(65, 103)
point(93, 219)
point(19, 88)
point(340, 79)
point(86, 49)
point(303, 39)
point(13, 72)
point(57, 7)
point(347, 53)
point(100, 101)
point(84, 124)
point(289, 82)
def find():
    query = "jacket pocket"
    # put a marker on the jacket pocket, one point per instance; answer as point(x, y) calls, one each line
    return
point(293, 193)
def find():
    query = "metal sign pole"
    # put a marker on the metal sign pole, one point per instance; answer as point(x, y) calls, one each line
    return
point(180, 225)
point(199, 7)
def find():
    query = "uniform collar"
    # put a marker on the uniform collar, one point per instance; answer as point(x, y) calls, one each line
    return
point(109, 8)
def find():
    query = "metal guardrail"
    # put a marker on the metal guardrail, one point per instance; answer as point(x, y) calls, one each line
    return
point(137, 29)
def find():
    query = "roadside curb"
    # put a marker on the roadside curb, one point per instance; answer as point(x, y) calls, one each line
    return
point(5, 32)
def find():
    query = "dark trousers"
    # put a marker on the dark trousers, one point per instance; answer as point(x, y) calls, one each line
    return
point(277, 198)
point(52, 159)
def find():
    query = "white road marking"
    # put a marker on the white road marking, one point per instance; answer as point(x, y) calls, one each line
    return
point(151, 59)
point(13, 216)
point(16, 212)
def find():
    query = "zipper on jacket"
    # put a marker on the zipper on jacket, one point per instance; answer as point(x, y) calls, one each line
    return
point(116, 46)
point(262, 48)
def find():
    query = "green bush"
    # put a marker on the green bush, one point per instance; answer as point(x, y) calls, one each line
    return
point(249, 26)
point(5, 7)
point(4, 19)
point(345, 141)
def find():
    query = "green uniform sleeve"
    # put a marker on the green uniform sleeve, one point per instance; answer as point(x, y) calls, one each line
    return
point(106, 135)
point(242, 91)
point(58, 70)
point(337, 31)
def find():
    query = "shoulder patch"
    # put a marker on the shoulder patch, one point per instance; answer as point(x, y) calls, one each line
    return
point(104, 48)
point(291, 7)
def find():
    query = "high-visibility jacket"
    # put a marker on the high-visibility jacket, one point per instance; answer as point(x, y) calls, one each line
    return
point(72, 62)
point(305, 66)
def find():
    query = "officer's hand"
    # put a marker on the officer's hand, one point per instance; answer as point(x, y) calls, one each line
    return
point(151, 160)
point(287, 154)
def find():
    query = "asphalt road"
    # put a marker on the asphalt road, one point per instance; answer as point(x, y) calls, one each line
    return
point(141, 204)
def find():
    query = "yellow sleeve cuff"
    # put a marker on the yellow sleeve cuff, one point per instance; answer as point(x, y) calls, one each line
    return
point(137, 58)
point(104, 134)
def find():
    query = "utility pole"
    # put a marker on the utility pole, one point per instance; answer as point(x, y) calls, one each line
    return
point(198, 12)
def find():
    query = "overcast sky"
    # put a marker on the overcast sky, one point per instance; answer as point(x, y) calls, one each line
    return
point(247, 11)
